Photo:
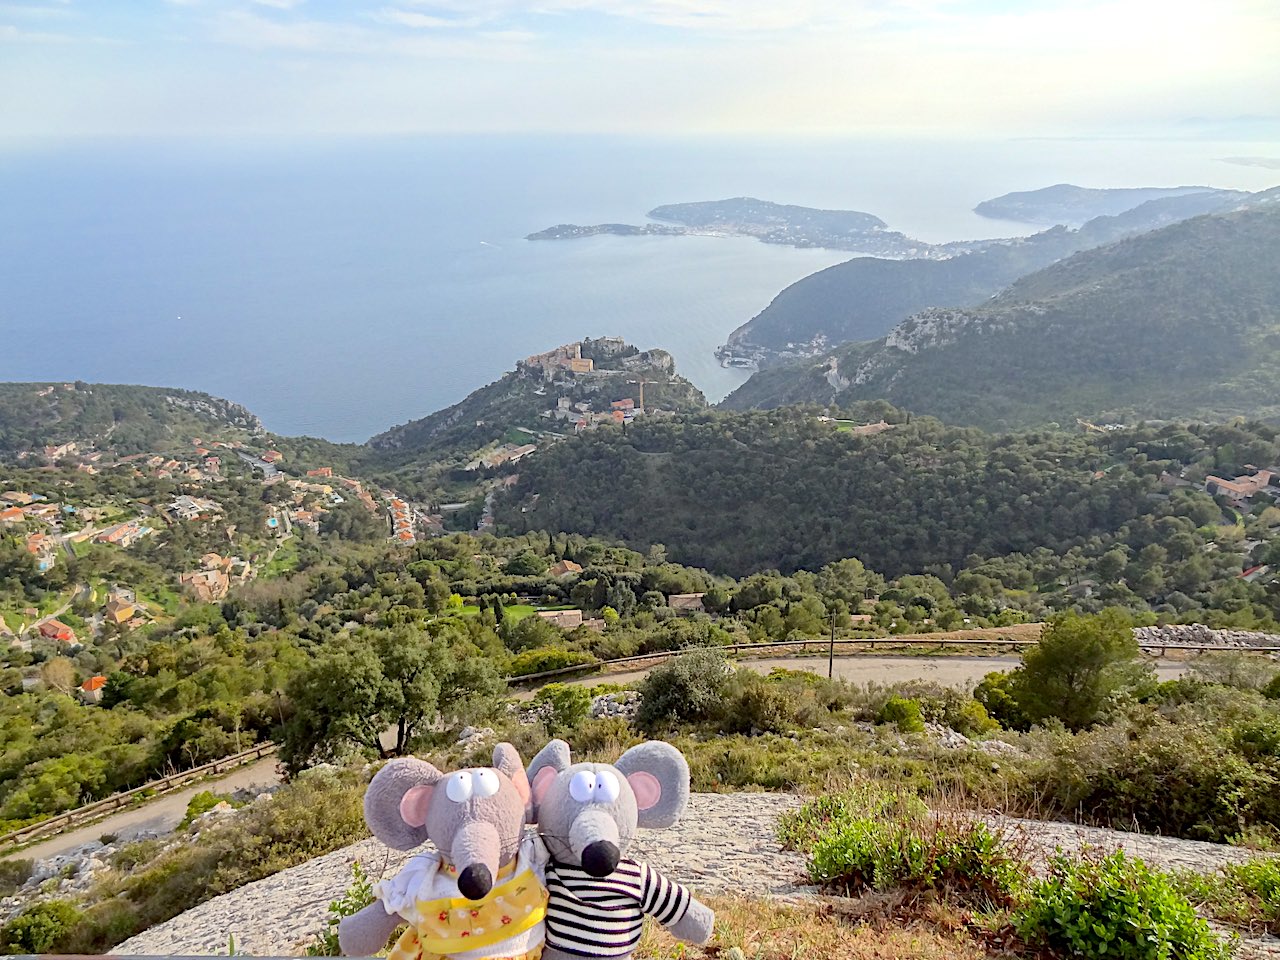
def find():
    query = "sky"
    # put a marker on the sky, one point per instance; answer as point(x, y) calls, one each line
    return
point(131, 68)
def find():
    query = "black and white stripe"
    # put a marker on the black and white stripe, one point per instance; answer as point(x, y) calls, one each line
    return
point(603, 916)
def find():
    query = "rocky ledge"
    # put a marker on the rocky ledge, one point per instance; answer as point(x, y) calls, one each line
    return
point(725, 845)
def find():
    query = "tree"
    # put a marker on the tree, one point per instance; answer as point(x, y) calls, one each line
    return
point(58, 674)
point(1080, 663)
point(385, 684)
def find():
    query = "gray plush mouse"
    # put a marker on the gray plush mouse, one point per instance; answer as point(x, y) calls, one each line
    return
point(480, 893)
point(587, 815)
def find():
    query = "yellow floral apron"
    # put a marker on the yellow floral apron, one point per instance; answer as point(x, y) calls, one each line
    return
point(455, 924)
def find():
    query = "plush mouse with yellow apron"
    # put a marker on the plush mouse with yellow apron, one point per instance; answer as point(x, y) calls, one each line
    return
point(481, 894)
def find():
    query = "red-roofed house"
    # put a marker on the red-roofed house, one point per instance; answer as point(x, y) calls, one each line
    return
point(91, 689)
point(57, 630)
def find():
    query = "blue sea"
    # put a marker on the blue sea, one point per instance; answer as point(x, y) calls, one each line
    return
point(339, 286)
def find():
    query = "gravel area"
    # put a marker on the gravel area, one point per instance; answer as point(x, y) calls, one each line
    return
point(724, 844)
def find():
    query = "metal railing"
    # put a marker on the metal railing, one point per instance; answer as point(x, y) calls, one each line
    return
point(821, 646)
point(91, 811)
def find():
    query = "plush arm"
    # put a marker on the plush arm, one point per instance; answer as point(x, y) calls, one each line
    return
point(696, 925)
point(675, 907)
point(365, 933)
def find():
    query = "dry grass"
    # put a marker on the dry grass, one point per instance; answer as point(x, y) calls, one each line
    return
point(821, 930)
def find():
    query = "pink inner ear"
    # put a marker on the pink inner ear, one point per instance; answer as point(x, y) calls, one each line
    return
point(647, 788)
point(521, 783)
point(542, 781)
point(413, 806)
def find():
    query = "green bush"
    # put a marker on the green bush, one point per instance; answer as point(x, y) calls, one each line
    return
point(903, 713)
point(1182, 778)
point(13, 874)
point(542, 659)
point(1244, 894)
point(567, 705)
point(688, 688)
point(799, 829)
point(1272, 689)
point(997, 696)
point(357, 896)
point(40, 928)
point(871, 839)
point(754, 705)
point(315, 814)
point(203, 802)
point(1114, 907)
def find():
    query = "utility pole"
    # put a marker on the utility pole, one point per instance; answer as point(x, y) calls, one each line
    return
point(831, 649)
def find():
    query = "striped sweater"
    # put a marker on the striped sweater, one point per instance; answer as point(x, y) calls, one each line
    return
point(602, 916)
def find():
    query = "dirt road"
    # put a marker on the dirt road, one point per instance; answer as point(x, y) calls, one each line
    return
point(949, 670)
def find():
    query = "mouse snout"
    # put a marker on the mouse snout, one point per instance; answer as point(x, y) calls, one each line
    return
point(475, 882)
point(600, 858)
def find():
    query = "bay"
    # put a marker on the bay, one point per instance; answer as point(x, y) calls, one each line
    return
point(337, 287)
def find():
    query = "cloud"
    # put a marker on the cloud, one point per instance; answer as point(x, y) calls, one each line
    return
point(427, 21)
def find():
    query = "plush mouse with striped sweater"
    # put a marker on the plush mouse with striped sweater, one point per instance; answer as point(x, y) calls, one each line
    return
point(587, 815)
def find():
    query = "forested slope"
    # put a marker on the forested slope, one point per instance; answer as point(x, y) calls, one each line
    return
point(743, 492)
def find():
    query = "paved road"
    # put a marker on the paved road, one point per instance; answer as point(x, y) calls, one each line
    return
point(159, 816)
point(952, 671)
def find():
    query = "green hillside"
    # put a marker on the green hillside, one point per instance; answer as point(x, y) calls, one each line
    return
point(1183, 322)
point(130, 418)
point(737, 493)
point(863, 298)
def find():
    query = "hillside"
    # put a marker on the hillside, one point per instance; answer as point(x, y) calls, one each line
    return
point(129, 418)
point(863, 298)
point(1070, 205)
point(1182, 322)
point(737, 493)
point(595, 372)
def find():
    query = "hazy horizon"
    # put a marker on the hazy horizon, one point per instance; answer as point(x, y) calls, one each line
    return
point(894, 68)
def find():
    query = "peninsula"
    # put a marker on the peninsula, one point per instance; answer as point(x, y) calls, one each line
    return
point(785, 224)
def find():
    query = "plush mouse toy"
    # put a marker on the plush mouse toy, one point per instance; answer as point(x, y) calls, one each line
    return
point(482, 895)
point(587, 815)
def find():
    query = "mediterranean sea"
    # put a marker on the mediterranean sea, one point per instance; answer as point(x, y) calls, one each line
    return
point(337, 287)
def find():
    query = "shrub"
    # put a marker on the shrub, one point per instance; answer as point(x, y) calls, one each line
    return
point(1183, 779)
point(542, 659)
point(1244, 894)
point(905, 714)
point(566, 706)
point(1114, 907)
point(357, 896)
point(873, 839)
point(40, 928)
point(13, 874)
point(996, 695)
point(1272, 689)
point(316, 814)
point(688, 688)
point(754, 705)
point(203, 802)
point(799, 829)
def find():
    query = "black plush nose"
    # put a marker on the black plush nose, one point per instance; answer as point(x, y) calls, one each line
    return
point(475, 881)
point(600, 858)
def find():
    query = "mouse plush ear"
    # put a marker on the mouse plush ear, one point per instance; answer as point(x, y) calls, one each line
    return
point(506, 760)
point(395, 805)
point(551, 761)
point(659, 777)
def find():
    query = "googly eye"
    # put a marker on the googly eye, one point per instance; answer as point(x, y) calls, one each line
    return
point(607, 788)
point(582, 786)
point(484, 783)
point(459, 787)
